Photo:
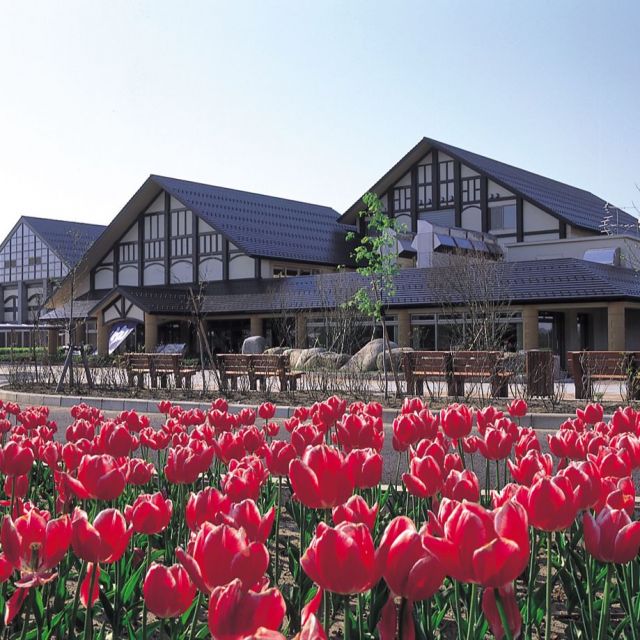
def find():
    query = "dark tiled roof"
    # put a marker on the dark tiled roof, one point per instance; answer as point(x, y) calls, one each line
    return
point(561, 280)
point(70, 240)
point(575, 206)
point(266, 226)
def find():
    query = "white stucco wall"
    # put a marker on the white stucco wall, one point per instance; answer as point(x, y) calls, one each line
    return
point(210, 269)
point(535, 219)
point(157, 205)
point(467, 172)
point(128, 276)
point(131, 235)
point(104, 278)
point(153, 273)
point(472, 218)
point(241, 266)
point(181, 271)
point(493, 188)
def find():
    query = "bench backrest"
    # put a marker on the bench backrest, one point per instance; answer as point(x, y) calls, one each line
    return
point(475, 362)
point(136, 361)
point(603, 363)
point(165, 361)
point(234, 361)
point(431, 361)
point(269, 364)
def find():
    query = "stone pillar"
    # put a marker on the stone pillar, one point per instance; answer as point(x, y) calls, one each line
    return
point(301, 331)
point(530, 328)
point(52, 341)
point(256, 326)
point(615, 326)
point(103, 332)
point(150, 333)
point(404, 328)
point(571, 330)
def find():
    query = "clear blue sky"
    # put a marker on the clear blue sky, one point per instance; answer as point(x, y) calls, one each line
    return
point(307, 100)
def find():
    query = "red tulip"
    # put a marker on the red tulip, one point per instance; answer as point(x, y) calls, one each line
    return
point(322, 479)
point(359, 432)
point(591, 414)
point(16, 486)
point(496, 444)
point(246, 515)
point(487, 417)
point(185, 464)
point(205, 506)
point(17, 459)
point(278, 454)
point(115, 439)
point(236, 614)
point(366, 465)
point(510, 607)
point(342, 559)
point(230, 446)
point(140, 472)
point(356, 510)
point(456, 420)
point(531, 467)
point(552, 504)
point(168, 591)
point(611, 536)
point(85, 585)
point(104, 541)
point(99, 477)
point(410, 570)
point(219, 554)
point(586, 482)
point(405, 432)
point(517, 408)
point(245, 478)
point(490, 548)
point(252, 438)
point(33, 544)
point(247, 416)
point(424, 478)
point(305, 436)
point(461, 485)
point(149, 513)
point(267, 410)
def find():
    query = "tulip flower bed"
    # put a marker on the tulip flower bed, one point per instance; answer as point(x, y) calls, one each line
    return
point(234, 526)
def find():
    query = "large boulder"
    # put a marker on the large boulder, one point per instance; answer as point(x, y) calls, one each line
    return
point(366, 358)
point(275, 351)
point(254, 344)
point(328, 361)
point(298, 358)
point(396, 354)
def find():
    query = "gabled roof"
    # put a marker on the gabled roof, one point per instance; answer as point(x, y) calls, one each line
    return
point(69, 240)
point(266, 226)
point(574, 206)
point(531, 281)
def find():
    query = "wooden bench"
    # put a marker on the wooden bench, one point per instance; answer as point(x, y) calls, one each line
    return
point(163, 365)
point(590, 366)
point(479, 366)
point(158, 366)
point(256, 368)
point(137, 367)
point(425, 366)
point(231, 367)
point(274, 366)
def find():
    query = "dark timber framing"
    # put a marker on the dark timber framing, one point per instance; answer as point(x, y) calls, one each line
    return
point(519, 219)
point(457, 192)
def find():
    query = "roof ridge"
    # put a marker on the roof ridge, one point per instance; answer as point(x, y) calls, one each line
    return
point(155, 176)
point(86, 224)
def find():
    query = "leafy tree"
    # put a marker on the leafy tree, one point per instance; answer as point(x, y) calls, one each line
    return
point(377, 255)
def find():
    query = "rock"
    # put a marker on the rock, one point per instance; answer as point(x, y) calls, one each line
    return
point(299, 357)
point(328, 361)
point(397, 358)
point(366, 358)
point(254, 344)
point(275, 351)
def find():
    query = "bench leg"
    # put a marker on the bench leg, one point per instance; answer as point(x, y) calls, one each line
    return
point(455, 387)
point(499, 388)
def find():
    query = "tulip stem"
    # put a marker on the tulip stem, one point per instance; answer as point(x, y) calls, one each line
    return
point(76, 600)
point(360, 616)
point(471, 622)
point(347, 617)
point(277, 559)
point(503, 616)
point(147, 564)
point(194, 621)
point(88, 619)
point(461, 450)
point(547, 600)
point(27, 615)
point(606, 601)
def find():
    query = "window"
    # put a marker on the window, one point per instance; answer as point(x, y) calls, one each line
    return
point(154, 237)
point(181, 233)
point(128, 252)
point(209, 243)
point(33, 260)
point(402, 199)
point(425, 186)
point(446, 181)
point(11, 309)
point(282, 271)
point(471, 189)
point(503, 217)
